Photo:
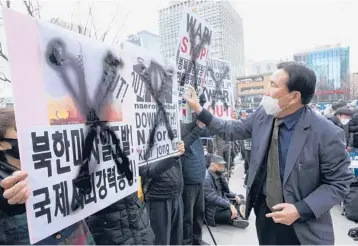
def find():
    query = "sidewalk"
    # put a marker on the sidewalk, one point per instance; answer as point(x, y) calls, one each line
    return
point(227, 235)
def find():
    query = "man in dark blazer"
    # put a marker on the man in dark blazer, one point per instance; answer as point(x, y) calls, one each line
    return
point(299, 165)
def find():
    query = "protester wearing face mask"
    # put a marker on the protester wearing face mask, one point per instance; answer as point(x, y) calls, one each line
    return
point(221, 205)
point(344, 115)
point(299, 167)
point(14, 192)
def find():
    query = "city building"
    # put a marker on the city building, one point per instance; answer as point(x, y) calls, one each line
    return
point(228, 34)
point(146, 40)
point(250, 89)
point(263, 67)
point(331, 66)
point(353, 86)
point(260, 67)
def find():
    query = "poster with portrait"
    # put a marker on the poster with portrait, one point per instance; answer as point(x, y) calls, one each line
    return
point(156, 104)
point(219, 89)
point(195, 36)
point(77, 116)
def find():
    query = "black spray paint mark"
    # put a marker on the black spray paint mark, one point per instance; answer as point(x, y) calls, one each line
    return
point(61, 61)
point(218, 93)
point(156, 79)
point(196, 48)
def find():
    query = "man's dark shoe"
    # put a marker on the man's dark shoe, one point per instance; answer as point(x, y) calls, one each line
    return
point(201, 242)
point(240, 223)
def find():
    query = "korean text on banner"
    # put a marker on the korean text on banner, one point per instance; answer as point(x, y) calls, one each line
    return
point(156, 109)
point(194, 43)
point(219, 89)
point(74, 114)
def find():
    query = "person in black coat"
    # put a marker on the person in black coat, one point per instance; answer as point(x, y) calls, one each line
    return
point(341, 118)
point(221, 205)
point(162, 189)
point(125, 222)
point(353, 133)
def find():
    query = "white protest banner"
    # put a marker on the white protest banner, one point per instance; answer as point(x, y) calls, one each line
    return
point(219, 90)
point(156, 107)
point(195, 36)
point(75, 122)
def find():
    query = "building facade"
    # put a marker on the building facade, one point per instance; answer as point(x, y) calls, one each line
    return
point(260, 67)
point(228, 34)
point(250, 89)
point(331, 66)
point(353, 86)
point(146, 40)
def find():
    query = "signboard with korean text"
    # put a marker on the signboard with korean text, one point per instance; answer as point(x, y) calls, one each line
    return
point(81, 129)
point(219, 90)
point(195, 36)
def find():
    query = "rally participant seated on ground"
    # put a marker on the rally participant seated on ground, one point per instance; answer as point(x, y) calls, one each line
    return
point(15, 191)
point(221, 205)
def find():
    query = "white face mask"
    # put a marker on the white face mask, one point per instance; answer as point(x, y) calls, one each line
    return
point(270, 105)
point(345, 121)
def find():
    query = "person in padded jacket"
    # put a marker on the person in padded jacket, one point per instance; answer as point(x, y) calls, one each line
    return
point(125, 222)
point(194, 168)
point(15, 191)
point(162, 188)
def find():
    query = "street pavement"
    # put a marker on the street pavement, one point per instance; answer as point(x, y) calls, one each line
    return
point(227, 235)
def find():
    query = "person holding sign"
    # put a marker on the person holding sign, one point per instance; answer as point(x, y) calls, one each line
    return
point(299, 167)
point(14, 192)
point(162, 188)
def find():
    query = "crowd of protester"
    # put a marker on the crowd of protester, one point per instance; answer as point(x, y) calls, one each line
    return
point(178, 195)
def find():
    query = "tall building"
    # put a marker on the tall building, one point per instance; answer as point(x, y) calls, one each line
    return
point(146, 40)
point(260, 67)
point(331, 66)
point(353, 86)
point(250, 89)
point(228, 34)
point(264, 67)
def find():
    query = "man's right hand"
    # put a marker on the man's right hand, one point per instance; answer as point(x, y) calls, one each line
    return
point(193, 101)
point(200, 124)
point(233, 212)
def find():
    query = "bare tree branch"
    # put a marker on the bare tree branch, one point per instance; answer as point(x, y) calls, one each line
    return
point(8, 3)
point(38, 10)
point(95, 29)
point(4, 78)
point(2, 53)
point(28, 8)
point(111, 23)
point(89, 16)
point(115, 41)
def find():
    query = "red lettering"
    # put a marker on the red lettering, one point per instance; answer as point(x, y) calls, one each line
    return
point(219, 110)
point(203, 53)
point(184, 47)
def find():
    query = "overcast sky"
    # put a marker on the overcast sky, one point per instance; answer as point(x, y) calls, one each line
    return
point(273, 29)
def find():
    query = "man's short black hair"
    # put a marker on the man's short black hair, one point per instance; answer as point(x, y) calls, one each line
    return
point(301, 79)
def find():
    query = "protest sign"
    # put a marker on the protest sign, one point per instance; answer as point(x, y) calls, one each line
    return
point(218, 89)
point(194, 43)
point(75, 123)
point(156, 106)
